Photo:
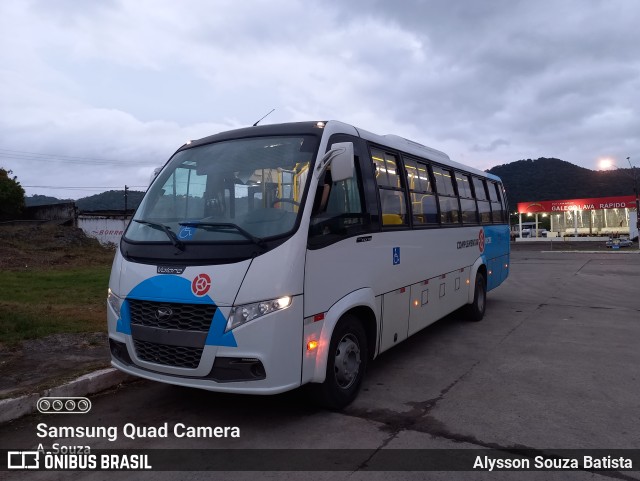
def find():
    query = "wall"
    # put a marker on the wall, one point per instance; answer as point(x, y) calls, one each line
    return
point(61, 212)
point(105, 229)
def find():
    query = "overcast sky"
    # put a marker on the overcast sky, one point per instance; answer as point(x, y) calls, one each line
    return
point(110, 88)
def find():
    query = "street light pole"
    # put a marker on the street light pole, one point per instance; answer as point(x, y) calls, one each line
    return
point(635, 188)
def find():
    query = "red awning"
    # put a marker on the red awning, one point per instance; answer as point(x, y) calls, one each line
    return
point(597, 203)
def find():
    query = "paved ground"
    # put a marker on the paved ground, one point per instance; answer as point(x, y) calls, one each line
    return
point(554, 365)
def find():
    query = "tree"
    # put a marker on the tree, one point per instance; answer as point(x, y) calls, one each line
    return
point(11, 196)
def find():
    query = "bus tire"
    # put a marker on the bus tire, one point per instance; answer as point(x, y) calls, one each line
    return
point(476, 309)
point(346, 364)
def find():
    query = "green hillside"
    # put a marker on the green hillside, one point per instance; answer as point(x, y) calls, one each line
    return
point(110, 200)
point(43, 200)
point(550, 179)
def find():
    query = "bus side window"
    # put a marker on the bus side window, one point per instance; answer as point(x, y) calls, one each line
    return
point(496, 202)
point(467, 202)
point(449, 206)
point(390, 187)
point(484, 208)
point(423, 200)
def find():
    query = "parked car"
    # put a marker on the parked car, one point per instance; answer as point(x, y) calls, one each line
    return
point(615, 242)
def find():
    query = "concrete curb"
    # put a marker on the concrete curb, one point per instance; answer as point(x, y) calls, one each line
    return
point(91, 383)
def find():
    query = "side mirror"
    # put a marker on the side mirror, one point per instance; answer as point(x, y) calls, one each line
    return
point(340, 157)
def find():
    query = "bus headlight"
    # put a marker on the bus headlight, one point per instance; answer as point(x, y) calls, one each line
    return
point(114, 301)
point(248, 312)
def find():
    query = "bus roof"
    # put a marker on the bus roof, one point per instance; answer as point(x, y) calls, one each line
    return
point(415, 148)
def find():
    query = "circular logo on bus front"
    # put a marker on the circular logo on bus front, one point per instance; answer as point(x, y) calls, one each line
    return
point(201, 285)
point(481, 240)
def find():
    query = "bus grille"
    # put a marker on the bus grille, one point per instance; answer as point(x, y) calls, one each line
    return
point(166, 315)
point(176, 356)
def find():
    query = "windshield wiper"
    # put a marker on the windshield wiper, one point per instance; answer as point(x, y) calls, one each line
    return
point(225, 225)
point(166, 229)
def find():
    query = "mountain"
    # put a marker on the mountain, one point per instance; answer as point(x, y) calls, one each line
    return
point(110, 200)
point(43, 200)
point(554, 179)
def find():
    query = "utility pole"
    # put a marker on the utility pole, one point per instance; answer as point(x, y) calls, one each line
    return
point(126, 190)
point(635, 188)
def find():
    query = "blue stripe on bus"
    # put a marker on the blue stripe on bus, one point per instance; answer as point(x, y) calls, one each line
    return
point(496, 254)
point(169, 288)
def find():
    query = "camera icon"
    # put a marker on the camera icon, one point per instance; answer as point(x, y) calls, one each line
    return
point(63, 405)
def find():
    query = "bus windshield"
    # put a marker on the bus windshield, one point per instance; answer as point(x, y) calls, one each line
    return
point(241, 190)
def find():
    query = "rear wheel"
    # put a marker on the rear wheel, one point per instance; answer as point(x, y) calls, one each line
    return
point(477, 308)
point(346, 365)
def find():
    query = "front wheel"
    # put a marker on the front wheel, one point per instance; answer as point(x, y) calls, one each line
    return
point(477, 308)
point(346, 365)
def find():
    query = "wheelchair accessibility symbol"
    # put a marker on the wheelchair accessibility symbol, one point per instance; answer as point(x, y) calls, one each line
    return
point(396, 256)
point(186, 233)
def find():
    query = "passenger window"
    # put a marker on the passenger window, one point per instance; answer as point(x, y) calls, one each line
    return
point(449, 207)
point(479, 188)
point(394, 211)
point(387, 170)
point(425, 208)
point(464, 188)
point(390, 187)
point(468, 207)
point(444, 181)
point(423, 203)
point(484, 207)
point(498, 214)
point(449, 213)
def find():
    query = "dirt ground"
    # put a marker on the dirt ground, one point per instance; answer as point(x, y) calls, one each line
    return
point(40, 364)
point(49, 246)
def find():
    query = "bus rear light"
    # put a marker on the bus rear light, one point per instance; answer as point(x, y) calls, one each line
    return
point(311, 345)
point(467, 281)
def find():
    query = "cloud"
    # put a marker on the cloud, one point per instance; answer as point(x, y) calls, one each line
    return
point(491, 147)
point(487, 82)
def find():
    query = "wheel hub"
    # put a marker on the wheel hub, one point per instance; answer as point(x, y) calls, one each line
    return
point(347, 362)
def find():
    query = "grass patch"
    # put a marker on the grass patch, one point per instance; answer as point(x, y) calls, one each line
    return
point(37, 303)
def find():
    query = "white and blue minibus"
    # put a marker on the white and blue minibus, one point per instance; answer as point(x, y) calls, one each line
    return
point(269, 257)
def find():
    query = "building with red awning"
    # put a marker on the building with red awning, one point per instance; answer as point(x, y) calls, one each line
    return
point(599, 217)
